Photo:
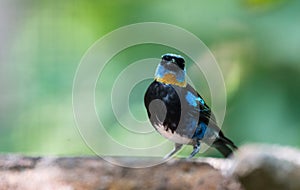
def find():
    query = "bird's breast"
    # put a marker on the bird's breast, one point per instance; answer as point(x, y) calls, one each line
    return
point(173, 136)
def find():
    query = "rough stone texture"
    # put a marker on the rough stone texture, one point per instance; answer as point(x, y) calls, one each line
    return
point(267, 167)
point(27, 173)
point(254, 167)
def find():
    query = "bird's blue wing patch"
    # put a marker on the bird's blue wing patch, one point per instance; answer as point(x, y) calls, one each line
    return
point(200, 131)
point(193, 100)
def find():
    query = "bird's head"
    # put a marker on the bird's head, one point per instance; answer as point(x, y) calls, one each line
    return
point(171, 70)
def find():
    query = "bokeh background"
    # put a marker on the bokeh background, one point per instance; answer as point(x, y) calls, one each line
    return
point(255, 42)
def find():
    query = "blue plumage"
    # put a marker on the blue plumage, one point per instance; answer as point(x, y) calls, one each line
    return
point(193, 100)
point(200, 131)
point(161, 71)
point(181, 114)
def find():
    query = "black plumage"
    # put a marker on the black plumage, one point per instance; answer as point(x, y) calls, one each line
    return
point(180, 114)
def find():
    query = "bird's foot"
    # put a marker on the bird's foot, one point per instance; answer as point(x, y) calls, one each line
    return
point(177, 147)
point(195, 151)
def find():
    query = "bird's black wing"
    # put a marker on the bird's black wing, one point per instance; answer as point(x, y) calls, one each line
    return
point(206, 116)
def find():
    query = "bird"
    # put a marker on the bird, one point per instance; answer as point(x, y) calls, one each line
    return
point(178, 112)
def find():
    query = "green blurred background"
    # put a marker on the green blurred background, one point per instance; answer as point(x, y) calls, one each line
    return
point(256, 44)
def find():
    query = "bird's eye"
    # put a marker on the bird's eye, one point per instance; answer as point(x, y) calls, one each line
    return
point(180, 61)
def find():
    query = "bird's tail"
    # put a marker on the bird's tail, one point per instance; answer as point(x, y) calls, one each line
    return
point(224, 145)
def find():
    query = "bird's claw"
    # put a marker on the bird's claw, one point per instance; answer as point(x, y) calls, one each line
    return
point(195, 151)
point(177, 147)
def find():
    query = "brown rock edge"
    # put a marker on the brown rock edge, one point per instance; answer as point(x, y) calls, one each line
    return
point(253, 167)
point(29, 173)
